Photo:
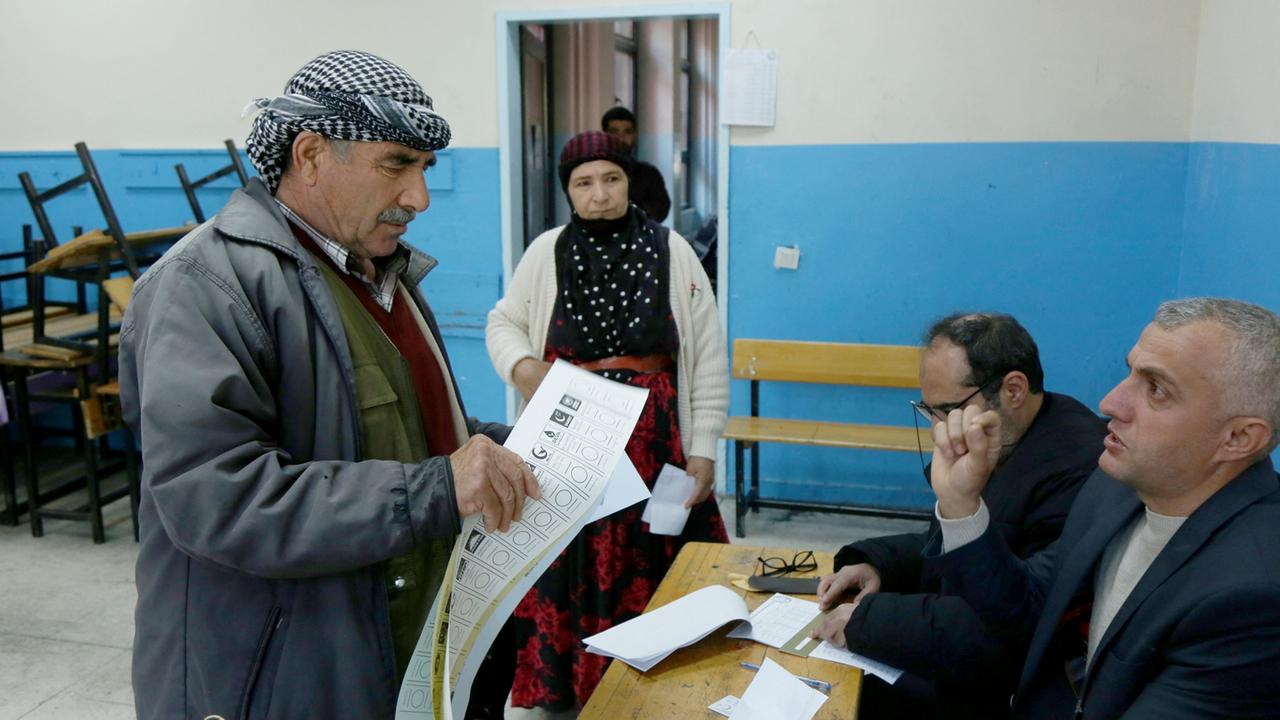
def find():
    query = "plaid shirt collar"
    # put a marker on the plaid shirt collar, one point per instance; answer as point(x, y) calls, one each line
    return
point(383, 288)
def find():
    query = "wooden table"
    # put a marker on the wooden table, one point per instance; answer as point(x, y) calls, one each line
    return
point(691, 678)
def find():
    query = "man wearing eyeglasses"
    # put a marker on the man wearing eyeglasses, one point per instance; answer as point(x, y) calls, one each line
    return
point(1161, 599)
point(1049, 444)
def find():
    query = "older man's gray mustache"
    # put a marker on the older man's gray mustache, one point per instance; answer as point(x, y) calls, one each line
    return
point(397, 216)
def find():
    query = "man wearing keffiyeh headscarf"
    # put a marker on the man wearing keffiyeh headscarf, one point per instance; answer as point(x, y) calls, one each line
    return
point(308, 457)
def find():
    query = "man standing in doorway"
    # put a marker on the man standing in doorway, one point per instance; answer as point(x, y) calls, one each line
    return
point(648, 190)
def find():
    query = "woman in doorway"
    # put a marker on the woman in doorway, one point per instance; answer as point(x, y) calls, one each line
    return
point(617, 294)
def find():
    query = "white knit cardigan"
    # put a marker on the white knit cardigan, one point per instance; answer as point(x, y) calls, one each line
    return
point(518, 324)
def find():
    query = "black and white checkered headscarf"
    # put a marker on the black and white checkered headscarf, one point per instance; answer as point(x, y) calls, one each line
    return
point(344, 95)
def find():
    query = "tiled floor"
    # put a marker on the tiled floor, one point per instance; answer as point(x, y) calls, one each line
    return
point(66, 620)
point(66, 608)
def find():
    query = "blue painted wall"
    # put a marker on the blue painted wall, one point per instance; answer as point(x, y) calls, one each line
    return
point(1231, 243)
point(462, 229)
point(1231, 236)
point(1080, 241)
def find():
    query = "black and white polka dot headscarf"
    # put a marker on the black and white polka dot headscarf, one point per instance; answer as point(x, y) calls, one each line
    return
point(344, 95)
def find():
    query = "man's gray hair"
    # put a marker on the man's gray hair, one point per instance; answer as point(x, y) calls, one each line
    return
point(1251, 374)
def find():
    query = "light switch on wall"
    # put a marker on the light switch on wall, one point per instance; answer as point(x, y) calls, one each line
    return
point(786, 258)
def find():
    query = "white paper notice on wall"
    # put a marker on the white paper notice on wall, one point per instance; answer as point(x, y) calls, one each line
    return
point(750, 94)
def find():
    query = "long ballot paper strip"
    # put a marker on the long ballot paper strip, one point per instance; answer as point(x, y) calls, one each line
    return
point(572, 435)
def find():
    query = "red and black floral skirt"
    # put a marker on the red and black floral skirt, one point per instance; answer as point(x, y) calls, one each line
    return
point(607, 574)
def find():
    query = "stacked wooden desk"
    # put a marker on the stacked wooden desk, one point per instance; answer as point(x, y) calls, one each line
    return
point(81, 346)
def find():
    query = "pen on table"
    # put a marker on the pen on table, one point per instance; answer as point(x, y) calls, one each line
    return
point(822, 685)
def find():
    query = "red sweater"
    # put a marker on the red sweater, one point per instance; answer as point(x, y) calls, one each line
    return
point(401, 327)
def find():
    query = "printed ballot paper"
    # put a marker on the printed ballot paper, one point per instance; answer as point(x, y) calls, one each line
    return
point(776, 694)
point(784, 622)
point(666, 513)
point(573, 436)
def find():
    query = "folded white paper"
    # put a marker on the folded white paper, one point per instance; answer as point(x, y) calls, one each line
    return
point(776, 694)
point(644, 641)
point(665, 512)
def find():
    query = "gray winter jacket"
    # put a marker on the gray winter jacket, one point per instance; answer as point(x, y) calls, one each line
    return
point(261, 591)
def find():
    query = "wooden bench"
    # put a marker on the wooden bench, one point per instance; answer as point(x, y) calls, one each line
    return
point(877, 366)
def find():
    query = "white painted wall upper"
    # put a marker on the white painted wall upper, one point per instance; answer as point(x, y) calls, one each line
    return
point(1237, 94)
point(159, 73)
point(979, 70)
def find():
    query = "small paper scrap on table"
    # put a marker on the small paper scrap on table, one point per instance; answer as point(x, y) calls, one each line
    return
point(776, 694)
point(725, 705)
point(666, 513)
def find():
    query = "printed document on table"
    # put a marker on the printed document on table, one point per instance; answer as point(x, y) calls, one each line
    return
point(784, 622)
point(572, 435)
point(644, 641)
point(827, 651)
point(665, 511)
point(776, 694)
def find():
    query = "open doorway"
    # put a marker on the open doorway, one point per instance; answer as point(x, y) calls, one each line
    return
point(657, 75)
point(560, 71)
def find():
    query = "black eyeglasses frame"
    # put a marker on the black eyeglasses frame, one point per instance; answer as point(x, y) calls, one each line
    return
point(802, 561)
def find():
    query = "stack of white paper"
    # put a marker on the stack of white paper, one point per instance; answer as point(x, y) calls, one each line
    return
point(782, 622)
point(644, 641)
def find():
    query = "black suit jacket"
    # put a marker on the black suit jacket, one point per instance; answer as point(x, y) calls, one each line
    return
point(940, 639)
point(1199, 636)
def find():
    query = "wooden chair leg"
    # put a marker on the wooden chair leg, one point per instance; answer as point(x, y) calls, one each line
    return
point(9, 480)
point(739, 508)
point(94, 485)
point(88, 447)
point(22, 404)
point(755, 477)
